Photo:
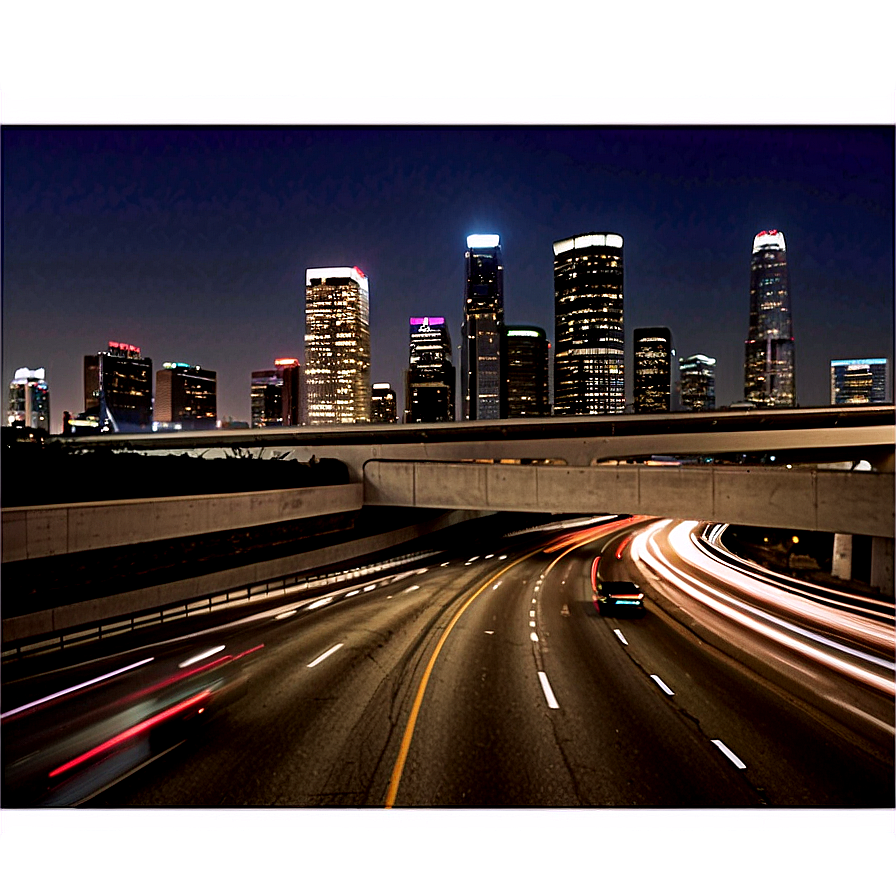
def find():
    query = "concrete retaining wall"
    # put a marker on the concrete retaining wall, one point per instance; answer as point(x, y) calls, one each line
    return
point(32, 532)
point(814, 500)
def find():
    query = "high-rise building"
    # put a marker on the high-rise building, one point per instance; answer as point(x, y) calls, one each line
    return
point(653, 360)
point(589, 356)
point(480, 363)
point(429, 380)
point(383, 404)
point(698, 383)
point(524, 360)
point(293, 395)
point(769, 363)
point(186, 397)
point(29, 399)
point(860, 381)
point(267, 398)
point(118, 388)
point(337, 345)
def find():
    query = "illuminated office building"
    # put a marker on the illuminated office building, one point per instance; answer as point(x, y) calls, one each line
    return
point(383, 404)
point(589, 358)
point(293, 394)
point(524, 361)
point(769, 363)
point(118, 389)
point(653, 361)
point(429, 381)
point(186, 397)
point(266, 396)
point(697, 374)
point(480, 363)
point(337, 346)
point(29, 399)
point(859, 381)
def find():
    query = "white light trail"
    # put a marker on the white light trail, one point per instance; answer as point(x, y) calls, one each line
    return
point(324, 655)
point(548, 692)
point(620, 636)
point(411, 588)
point(729, 754)
point(663, 686)
point(495, 586)
point(286, 615)
point(319, 603)
point(200, 656)
point(76, 687)
point(369, 587)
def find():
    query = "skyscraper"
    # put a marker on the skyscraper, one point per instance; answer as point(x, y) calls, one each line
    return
point(859, 381)
point(480, 363)
point(293, 396)
point(29, 399)
point(769, 363)
point(589, 359)
point(337, 345)
point(383, 407)
point(698, 383)
point(186, 397)
point(429, 381)
point(524, 354)
point(653, 356)
point(118, 388)
point(266, 396)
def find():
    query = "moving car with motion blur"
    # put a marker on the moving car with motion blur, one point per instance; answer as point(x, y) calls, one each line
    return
point(618, 597)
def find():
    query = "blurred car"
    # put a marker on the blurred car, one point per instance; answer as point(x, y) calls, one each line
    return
point(618, 597)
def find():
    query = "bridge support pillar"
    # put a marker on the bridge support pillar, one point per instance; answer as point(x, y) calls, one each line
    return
point(841, 564)
point(882, 564)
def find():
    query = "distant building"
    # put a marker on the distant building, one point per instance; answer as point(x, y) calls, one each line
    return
point(278, 395)
point(429, 381)
point(337, 345)
point(589, 356)
point(186, 397)
point(860, 381)
point(383, 406)
point(29, 399)
point(480, 361)
point(524, 362)
point(118, 389)
point(769, 362)
point(697, 374)
point(653, 362)
point(293, 395)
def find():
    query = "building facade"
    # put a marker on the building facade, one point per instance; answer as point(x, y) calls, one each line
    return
point(118, 389)
point(337, 346)
point(654, 358)
point(293, 395)
point(697, 375)
point(524, 354)
point(429, 380)
point(266, 397)
point(186, 397)
point(383, 404)
point(29, 399)
point(589, 347)
point(770, 359)
point(481, 330)
point(860, 381)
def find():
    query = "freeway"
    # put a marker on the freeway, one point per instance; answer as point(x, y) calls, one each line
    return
point(482, 679)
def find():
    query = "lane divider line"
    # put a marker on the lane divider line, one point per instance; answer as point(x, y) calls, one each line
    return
point(663, 686)
point(729, 754)
point(548, 692)
point(620, 636)
point(324, 655)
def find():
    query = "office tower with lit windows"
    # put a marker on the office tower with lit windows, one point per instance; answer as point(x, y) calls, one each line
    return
point(293, 396)
point(524, 361)
point(383, 404)
point(860, 381)
point(769, 363)
point(429, 379)
point(697, 374)
point(337, 345)
point(589, 356)
point(186, 397)
point(480, 362)
point(266, 396)
point(29, 399)
point(118, 389)
point(654, 357)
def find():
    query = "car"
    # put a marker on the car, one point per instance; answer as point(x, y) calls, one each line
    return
point(613, 597)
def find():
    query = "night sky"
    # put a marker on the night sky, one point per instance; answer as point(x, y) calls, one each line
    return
point(192, 242)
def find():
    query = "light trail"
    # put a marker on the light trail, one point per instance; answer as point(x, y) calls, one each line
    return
point(324, 655)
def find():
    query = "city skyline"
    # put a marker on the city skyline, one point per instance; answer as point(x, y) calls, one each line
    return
point(193, 242)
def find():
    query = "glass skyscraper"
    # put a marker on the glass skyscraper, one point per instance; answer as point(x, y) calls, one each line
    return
point(698, 383)
point(383, 407)
point(480, 363)
point(429, 382)
point(524, 353)
point(589, 358)
point(186, 397)
point(769, 363)
point(29, 399)
point(118, 388)
point(337, 346)
point(653, 356)
point(859, 381)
